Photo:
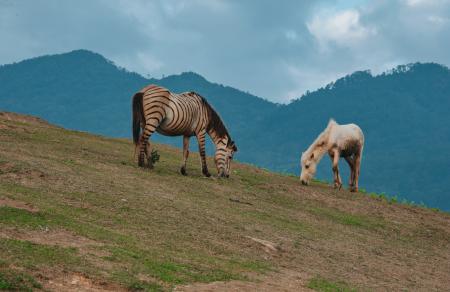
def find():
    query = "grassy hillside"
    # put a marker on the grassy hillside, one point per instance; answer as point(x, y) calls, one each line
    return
point(75, 212)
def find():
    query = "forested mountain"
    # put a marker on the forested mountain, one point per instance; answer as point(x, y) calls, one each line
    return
point(403, 113)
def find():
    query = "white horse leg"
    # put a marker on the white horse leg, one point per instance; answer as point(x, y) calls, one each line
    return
point(357, 168)
point(337, 177)
point(351, 163)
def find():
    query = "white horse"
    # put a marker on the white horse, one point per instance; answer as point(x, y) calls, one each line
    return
point(339, 141)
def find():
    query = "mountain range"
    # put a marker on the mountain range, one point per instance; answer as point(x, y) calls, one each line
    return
point(404, 114)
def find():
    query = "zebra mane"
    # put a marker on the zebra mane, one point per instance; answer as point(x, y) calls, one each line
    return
point(215, 122)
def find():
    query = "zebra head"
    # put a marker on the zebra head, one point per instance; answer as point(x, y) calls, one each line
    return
point(223, 157)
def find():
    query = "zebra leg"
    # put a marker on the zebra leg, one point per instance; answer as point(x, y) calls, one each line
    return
point(143, 151)
point(201, 146)
point(145, 148)
point(148, 153)
point(185, 154)
point(141, 154)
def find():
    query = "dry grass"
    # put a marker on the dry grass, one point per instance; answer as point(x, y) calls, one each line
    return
point(154, 230)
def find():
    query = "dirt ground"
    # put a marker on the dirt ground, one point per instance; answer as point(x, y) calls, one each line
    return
point(283, 281)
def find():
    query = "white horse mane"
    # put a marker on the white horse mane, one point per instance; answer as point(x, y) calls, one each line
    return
point(320, 144)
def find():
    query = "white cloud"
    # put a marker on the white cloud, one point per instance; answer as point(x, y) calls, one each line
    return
point(438, 19)
point(342, 28)
point(291, 35)
point(422, 3)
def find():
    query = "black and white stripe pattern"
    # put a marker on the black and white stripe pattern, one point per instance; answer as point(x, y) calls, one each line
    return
point(187, 114)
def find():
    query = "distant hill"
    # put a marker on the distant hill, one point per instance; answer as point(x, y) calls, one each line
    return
point(404, 114)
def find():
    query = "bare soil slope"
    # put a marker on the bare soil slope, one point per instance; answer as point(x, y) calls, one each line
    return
point(77, 214)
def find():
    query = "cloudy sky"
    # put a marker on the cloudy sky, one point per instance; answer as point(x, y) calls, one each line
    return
point(274, 49)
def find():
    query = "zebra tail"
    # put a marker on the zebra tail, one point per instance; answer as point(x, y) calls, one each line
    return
point(138, 116)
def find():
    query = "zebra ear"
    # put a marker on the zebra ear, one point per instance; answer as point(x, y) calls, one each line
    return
point(231, 145)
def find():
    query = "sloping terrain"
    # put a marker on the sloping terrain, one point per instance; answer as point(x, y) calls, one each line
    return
point(76, 213)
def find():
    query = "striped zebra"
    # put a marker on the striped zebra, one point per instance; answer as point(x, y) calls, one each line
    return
point(187, 114)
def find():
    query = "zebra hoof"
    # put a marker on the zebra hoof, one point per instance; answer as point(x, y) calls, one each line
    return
point(183, 170)
point(205, 172)
point(141, 163)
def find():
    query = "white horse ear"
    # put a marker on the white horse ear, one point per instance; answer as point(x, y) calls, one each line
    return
point(331, 121)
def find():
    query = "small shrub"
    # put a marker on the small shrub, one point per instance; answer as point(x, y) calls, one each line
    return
point(154, 156)
point(393, 199)
point(373, 195)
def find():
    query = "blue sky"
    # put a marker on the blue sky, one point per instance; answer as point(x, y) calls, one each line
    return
point(274, 49)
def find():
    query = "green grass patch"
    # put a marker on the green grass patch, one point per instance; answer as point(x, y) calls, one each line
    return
point(145, 286)
point(41, 220)
point(128, 278)
point(14, 281)
point(31, 255)
point(279, 222)
point(348, 219)
point(320, 181)
point(251, 179)
point(324, 285)
point(256, 266)
point(174, 272)
point(19, 217)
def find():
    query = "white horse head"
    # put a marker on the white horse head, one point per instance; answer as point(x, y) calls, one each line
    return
point(309, 167)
